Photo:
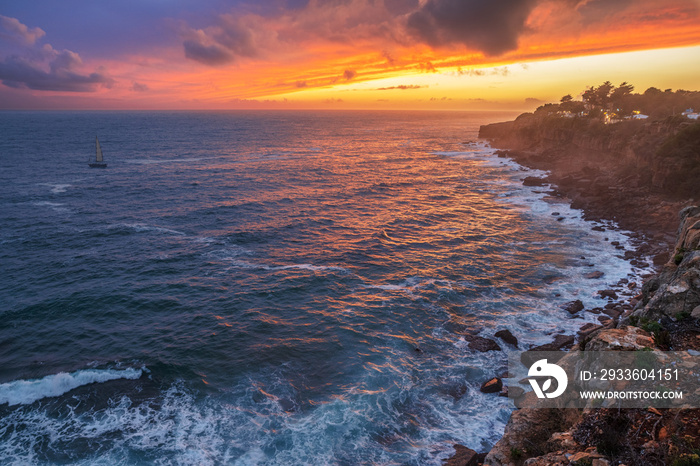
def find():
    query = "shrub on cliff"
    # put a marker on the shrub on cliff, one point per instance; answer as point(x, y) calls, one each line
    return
point(682, 150)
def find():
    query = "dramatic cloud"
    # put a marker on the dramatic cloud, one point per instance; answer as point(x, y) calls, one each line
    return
point(18, 73)
point(213, 54)
point(11, 29)
point(232, 37)
point(490, 26)
point(349, 74)
point(44, 68)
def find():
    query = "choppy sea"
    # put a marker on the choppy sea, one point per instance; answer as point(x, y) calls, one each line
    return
point(277, 288)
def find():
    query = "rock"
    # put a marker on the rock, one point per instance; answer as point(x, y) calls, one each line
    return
point(524, 427)
point(560, 342)
point(573, 307)
point(457, 391)
point(492, 386)
point(508, 337)
point(594, 275)
point(604, 320)
point(515, 392)
point(598, 228)
point(588, 328)
point(534, 181)
point(607, 294)
point(630, 338)
point(695, 313)
point(463, 457)
point(584, 456)
point(481, 344)
point(563, 440)
point(550, 459)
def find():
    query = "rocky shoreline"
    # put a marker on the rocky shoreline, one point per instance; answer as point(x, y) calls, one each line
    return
point(664, 314)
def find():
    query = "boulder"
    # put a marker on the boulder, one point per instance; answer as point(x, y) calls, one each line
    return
point(560, 342)
point(508, 337)
point(534, 181)
point(493, 385)
point(588, 328)
point(608, 294)
point(481, 344)
point(463, 457)
point(573, 307)
point(594, 275)
point(630, 338)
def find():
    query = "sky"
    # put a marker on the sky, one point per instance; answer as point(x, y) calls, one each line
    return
point(338, 54)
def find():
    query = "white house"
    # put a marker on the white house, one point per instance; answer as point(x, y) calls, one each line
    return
point(689, 113)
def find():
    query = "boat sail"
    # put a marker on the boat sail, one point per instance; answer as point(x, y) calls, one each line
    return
point(99, 162)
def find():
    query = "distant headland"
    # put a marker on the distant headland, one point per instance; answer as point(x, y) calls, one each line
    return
point(617, 154)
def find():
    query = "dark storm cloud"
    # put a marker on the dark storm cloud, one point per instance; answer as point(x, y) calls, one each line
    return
point(213, 55)
point(491, 26)
point(230, 38)
point(19, 73)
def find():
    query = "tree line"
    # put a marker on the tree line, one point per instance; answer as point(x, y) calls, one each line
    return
point(623, 102)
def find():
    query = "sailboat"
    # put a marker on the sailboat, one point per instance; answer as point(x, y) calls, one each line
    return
point(99, 162)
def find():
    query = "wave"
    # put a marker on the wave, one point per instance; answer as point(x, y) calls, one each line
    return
point(28, 391)
point(157, 161)
point(141, 227)
point(57, 188)
point(312, 268)
point(56, 206)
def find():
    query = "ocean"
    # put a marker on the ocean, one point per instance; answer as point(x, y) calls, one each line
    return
point(277, 288)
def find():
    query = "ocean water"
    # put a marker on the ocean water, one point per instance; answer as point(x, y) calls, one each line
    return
point(271, 287)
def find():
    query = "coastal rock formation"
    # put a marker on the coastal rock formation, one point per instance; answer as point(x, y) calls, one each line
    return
point(539, 436)
point(676, 292)
point(621, 173)
point(630, 172)
point(508, 337)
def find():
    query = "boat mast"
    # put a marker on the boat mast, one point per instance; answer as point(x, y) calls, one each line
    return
point(98, 150)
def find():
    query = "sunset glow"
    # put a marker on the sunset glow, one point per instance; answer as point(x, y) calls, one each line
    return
point(441, 54)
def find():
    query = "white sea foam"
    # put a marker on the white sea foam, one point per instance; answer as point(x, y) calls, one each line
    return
point(141, 227)
point(55, 206)
point(57, 188)
point(29, 391)
point(312, 268)
point(232, 255)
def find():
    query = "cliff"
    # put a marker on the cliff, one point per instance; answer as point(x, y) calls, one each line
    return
point(635, 172)
point(640, 175)
point(535, 436)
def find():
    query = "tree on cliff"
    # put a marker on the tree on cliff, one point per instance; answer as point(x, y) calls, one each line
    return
point(599, 97)
point(622, 104)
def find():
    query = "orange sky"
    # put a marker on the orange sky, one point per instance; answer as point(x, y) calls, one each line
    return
point(456, 54)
